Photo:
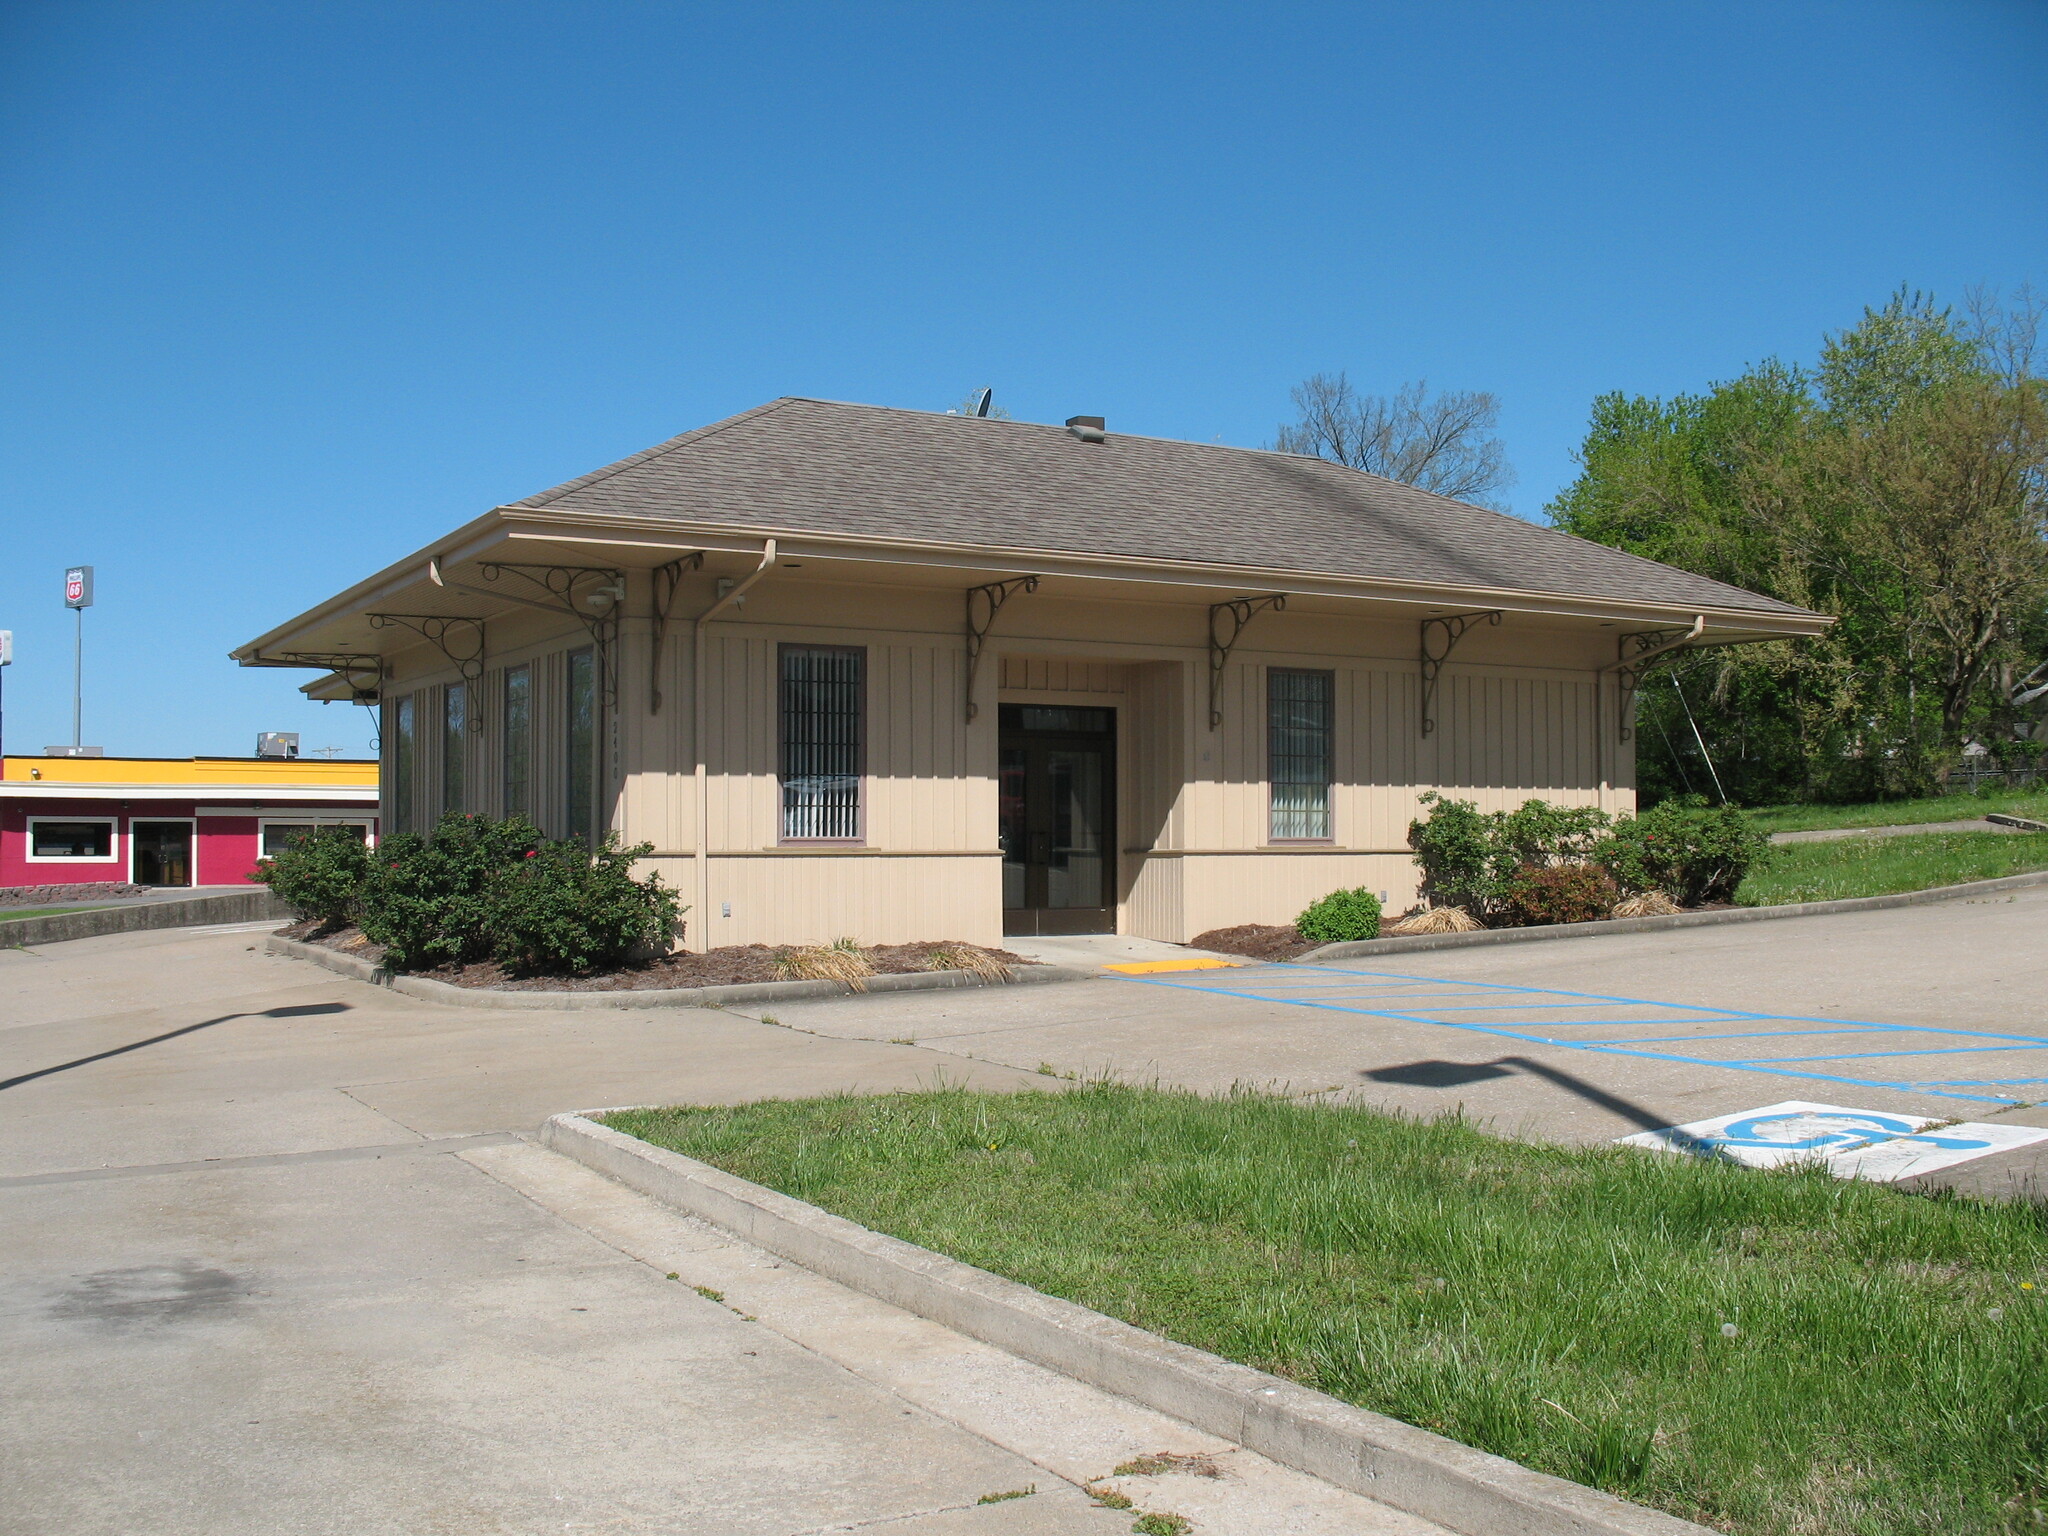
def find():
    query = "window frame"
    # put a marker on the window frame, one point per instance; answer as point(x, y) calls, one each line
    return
point(364, 820)
point(1328, 836)
point(111, 856)
point(860, 750)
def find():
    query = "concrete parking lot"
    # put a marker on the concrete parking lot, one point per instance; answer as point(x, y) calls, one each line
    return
point(282, 1259)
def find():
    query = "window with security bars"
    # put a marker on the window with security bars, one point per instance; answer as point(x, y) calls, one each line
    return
point(1298, 731)
point(823, 704)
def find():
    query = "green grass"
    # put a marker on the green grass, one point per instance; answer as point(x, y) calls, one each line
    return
point(1878, 866)
point(10, 914)
point(1887, 1373)
point(1903, 813)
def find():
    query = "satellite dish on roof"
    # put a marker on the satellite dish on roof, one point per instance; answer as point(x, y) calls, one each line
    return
point(982, 402)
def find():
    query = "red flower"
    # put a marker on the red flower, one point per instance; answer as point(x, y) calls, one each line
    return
point(530, 853)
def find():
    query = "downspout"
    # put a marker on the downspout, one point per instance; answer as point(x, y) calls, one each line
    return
point(1634, 663)
point(699, 723)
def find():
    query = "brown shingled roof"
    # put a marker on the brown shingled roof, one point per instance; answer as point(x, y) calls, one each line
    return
point(815, 466)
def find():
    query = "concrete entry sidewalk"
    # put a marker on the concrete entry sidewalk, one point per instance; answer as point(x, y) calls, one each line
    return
point(282, 1262)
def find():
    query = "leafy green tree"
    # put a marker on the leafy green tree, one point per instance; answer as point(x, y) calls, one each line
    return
point(1899, 486)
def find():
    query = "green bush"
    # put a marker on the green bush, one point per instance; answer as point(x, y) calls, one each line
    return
point(319, 875)
point(1341, 917)
point(1560, 893)
point(1691, 852)
point(429, 897)
point(1471, 858)
point(564, 908)
point(1455, 847)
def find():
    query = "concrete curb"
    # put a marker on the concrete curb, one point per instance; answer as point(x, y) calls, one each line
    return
point(1357, 947)
point(1427, 1475)
point(2024, 823)
point(661, 997)
point(241, 907)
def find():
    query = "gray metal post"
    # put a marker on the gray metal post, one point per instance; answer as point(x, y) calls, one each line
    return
point(77, 676)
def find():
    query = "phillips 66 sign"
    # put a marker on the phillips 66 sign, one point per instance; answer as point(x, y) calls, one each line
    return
point(78, 587)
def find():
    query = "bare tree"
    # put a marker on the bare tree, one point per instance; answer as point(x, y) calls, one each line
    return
point(1443, 444)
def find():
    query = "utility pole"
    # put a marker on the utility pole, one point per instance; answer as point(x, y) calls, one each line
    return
point(6, 661)
point(78, 598)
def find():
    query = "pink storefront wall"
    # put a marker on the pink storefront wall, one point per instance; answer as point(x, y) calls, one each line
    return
point(224, 848)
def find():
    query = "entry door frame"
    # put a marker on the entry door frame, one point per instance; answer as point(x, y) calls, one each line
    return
point(191, 850)
point(1109, 744)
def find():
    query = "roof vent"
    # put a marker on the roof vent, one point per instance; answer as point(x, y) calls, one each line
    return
point(1087, 428)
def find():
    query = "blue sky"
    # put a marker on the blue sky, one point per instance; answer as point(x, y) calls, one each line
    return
point(291, 289)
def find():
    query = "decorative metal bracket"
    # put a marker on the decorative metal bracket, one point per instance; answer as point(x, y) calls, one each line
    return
point(667, 578)
point(591, 595)
point(353, 667)
point(1236, 614)
point(1440, 636)
point(459, 638)
point(1636, 652)
point(983, 604)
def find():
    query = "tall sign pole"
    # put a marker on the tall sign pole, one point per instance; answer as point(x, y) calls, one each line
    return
point(78, 598)
point(6, 661)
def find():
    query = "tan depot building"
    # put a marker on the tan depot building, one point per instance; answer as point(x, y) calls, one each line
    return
point(901, 676)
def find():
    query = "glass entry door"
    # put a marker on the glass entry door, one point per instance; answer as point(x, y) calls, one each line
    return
point(1057, 804)
point(163, 852)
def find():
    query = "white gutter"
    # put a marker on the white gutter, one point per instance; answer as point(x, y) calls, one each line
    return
point(698, 726)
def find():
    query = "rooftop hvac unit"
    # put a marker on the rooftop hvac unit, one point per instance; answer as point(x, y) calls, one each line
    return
point(277, 744)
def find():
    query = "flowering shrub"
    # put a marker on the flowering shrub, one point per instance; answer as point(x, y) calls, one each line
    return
point(428, 897)
point(1472, 858)
point(1560, 893)
point(476, 889)
point(564, 908)
point(1485, 862)
point(319, 875)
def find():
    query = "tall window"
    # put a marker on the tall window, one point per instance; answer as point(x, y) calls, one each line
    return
point(518, 741)
point(582, 744)
point(454, 761)
point(1298, 717)
point(404, 755)
point(822, 705)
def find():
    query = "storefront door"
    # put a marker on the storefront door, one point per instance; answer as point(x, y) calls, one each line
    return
point(163, 852)
point(1057, 815)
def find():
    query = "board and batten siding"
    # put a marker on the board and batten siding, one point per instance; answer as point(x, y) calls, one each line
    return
point(1517, 714)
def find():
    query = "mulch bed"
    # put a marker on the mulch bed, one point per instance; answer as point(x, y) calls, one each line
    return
point(1264, 941)
point(1255, 941)
point(729, 966)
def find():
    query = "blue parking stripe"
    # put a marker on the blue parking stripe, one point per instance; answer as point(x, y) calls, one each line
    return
point(1359, 989)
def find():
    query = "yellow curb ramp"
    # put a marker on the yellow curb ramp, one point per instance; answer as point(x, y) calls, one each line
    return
point(1154, 967)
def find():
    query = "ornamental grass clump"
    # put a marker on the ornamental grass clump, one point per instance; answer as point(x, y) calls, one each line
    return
point(841, 960)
